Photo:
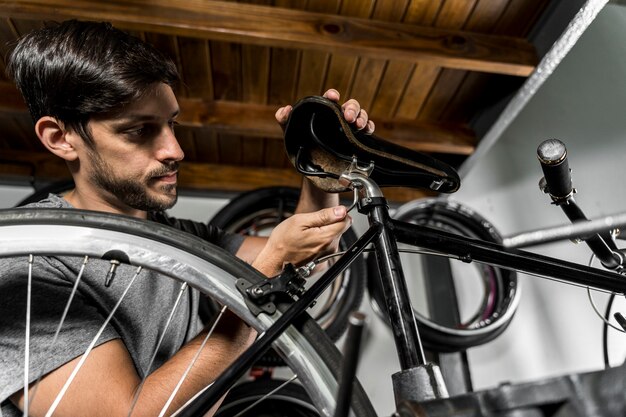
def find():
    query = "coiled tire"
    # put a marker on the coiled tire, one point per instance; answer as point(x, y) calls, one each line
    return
point(501, 288)
point(256, 212)
point(290, 400)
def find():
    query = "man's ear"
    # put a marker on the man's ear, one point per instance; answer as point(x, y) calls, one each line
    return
point(56, 138)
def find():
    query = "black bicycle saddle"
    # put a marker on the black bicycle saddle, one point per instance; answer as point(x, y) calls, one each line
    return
point(321, 145)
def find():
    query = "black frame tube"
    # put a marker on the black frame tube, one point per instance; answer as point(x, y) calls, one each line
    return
point(385, 232)
point(399, 309)
point(495, 254)
point(222, 384)
point(600, 244)
point(351, 354)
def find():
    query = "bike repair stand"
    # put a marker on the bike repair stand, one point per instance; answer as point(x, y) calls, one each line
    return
point(418, 380)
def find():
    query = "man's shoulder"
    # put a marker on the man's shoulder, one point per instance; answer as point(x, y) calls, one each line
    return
point(52, 201)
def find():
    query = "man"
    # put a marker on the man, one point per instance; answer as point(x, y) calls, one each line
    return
point(103, 101)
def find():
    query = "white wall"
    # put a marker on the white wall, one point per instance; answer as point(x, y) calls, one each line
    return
point(582, 104)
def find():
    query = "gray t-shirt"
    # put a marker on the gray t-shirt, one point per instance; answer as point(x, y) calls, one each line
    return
point(139, 321)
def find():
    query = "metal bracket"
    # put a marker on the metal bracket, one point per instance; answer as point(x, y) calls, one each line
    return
point(260, 296)
point(347, 177)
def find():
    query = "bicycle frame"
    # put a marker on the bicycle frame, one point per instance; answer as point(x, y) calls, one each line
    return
point(417, 380)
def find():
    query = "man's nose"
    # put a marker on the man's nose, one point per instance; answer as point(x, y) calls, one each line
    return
point(168, 147)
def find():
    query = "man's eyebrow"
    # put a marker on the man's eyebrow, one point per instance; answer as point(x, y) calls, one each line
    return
point(138, 117)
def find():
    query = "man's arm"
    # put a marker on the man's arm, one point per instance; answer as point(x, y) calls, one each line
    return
point(255, 251)
point(107, 382)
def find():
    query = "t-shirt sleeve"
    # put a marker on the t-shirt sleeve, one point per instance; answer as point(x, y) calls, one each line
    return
point(49, 296)
point(213, 234)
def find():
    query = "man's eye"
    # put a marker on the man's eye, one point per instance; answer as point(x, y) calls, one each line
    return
point(136, 132)
point(172, 124)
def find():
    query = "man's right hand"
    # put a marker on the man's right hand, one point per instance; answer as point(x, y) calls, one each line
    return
point(302, 238)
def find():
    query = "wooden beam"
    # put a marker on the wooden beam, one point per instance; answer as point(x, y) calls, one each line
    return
point(16, 166)
point(290, 28)
point(257, 121)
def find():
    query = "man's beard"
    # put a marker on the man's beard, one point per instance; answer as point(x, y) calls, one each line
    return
point(133, 192)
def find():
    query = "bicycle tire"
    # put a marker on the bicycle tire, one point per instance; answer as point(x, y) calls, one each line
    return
point(205, 267)
point(454, 217)
point(260, 205)
point(290, 400)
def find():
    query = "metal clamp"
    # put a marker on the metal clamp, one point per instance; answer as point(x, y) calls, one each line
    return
point(260, 296)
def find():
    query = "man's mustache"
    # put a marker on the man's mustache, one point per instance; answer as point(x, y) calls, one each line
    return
point(165, 169)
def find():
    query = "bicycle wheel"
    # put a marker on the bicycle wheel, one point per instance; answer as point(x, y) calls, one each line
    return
point(257, 212)
point(196, 263)
point(500, 291)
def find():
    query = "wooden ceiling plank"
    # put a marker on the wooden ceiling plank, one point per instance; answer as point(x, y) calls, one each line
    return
point(485, 15)
point(275, 155)
point(192, 176)
point(314, 64)
point(312, 73)
point(253, 153)
point(424, 75)
point(342, 67)
point(9, 131)
point(264, 25)
point(196, 75)
point(255, 73)
point(207, 145)
point(258, 121)
point(453, 14)
point(230, 146)
point(251, 119)
point(8, 34)
point(446, 86)
point(366, 78)
point(417, 90)
point(423, 12)
point(283, 76)
point(389, 85)
point(187, 142)
point(370, 76)
point(517, 17)
point(341, 70)
point(226, 70)
point(456, 110)
point(393, 84)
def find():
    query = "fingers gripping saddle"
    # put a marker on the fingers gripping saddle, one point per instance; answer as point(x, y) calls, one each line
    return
point(322, 145)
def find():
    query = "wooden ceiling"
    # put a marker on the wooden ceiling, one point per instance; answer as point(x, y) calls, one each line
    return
point(424, 70)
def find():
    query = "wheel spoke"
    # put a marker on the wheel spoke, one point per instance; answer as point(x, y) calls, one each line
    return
point(27, 333)
point(269, 394)
point(61, 394)
point(61, 322)
point(183, 289)
point(192, 363)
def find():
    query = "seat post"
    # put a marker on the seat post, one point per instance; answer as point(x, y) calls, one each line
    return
point(418, 379)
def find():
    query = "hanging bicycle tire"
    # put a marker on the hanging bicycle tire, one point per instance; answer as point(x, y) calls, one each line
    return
point(267, 397)
point(500, 287)
point(256, 212)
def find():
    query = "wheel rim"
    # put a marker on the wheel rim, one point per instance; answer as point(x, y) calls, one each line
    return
point(25, 231)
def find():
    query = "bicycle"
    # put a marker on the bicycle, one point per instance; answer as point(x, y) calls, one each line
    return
point(333, 155)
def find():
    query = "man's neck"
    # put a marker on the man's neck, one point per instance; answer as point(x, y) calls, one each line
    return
point(87, 202)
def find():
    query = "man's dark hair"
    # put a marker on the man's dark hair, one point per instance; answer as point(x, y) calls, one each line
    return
point(75, 70)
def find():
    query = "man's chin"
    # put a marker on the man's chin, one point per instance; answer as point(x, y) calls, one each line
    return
point(163, 200)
